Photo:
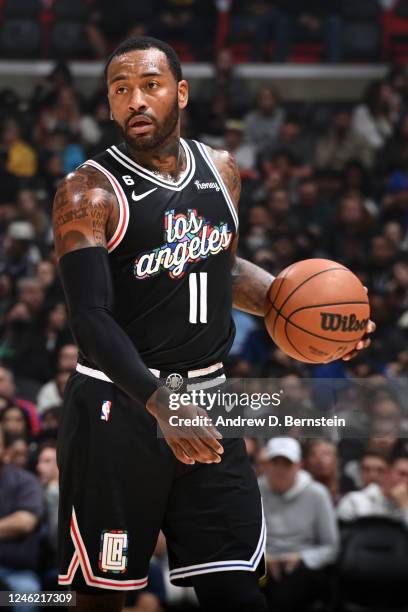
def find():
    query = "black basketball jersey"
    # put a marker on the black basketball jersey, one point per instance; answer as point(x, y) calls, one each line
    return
point(170, 258)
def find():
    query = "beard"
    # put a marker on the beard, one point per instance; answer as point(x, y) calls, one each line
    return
point(146, 142)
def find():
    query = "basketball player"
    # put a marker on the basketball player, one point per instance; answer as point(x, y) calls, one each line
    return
point(146, 235)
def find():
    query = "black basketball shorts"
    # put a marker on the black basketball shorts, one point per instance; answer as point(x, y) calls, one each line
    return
point(120, 484)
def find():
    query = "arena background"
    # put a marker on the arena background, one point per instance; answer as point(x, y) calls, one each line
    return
point(312, 99)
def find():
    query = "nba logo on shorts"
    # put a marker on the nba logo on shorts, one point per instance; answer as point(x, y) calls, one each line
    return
point(113, 551)
point(105, 410)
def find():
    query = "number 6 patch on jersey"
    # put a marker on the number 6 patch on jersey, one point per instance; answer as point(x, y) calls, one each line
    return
point(113, 552)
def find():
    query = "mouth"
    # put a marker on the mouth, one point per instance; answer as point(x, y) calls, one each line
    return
point(140, 125)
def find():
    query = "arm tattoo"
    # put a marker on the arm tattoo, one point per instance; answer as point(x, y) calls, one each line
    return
point(250, 286)
point(250, 283)
point(85, 211)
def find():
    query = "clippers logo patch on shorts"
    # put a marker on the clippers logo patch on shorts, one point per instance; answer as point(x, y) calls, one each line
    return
point(113, 552)
point(105, 410)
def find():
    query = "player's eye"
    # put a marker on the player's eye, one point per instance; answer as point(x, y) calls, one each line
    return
point(120, 90)
point(152, 85)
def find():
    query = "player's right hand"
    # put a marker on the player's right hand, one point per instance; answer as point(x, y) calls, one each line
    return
point(189, 443)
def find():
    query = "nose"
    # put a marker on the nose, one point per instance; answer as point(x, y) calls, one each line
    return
point(137, 101)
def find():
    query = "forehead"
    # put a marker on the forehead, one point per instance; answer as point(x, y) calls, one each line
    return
point(138, 62)
point(371, 459)
point(14, 411)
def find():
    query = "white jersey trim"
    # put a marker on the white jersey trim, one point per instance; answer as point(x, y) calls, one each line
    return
point(179, 185)
point(191, 373)
point(89, 576)
point(123, 223)
point(224, 566)
point(72, 568)
point(217, 175)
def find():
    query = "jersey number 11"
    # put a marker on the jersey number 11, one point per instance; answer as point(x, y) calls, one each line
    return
point(198, 297)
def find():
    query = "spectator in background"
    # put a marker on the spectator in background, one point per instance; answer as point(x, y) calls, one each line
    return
point(21, 157)
point(225, 79)
point(342, 143)
point(191, 21)
point(298, 552)
point(46, 90)
point(51, 392)
point(107, 25)
point(315, 17)
point(382, 255)
point(294, 139)
point(108, 131)
point(67, 358)
point(64, 117)
point(374, 118)
point(8, 390)
point(22, 349)
point(387, 498)
point(31, 294)
point(47, 470)
point(262, 125)
point(311, 212)
point(351, 232)
point(29, 209)
point(15, 422)
point(394, 155)
point(21, 508)
point(244, 153)
point(212, 123)
point(52, 172)
point(49, 424)
point(17, 452)
point(6, 299)
point(46, 274)
point(19, 256)
point(372, 467)
point(279, 207)
point(321, 461)
point(56, 325)
point(245, 18)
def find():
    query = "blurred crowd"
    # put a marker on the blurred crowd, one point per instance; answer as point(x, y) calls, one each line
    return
point(319, 180)
point(271, 30)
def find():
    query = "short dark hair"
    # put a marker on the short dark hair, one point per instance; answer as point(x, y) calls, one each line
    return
point(401, 456)
point(48, 443)
point(136, 43)
point(383, 456)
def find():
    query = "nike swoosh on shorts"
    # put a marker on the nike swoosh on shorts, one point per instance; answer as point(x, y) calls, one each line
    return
point(136, 198)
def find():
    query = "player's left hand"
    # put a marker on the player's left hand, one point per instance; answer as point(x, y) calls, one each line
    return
point(364, 343)
point(290, 562)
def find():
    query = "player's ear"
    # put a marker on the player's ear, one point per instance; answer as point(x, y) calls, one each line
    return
point(182, 94)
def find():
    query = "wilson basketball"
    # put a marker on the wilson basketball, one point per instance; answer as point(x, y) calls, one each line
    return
point(317, 310)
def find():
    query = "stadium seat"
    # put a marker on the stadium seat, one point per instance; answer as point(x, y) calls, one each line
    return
point(75, 10)
point(362, 41)
point(362, 32)
point(362, 10)
point(20, 38)
point(22, 8)
point(68, 39)
point(395, 34)
point(401, 9)
point(372, 568)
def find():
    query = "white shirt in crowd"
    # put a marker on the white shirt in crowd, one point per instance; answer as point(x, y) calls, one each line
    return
point(371, 501)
